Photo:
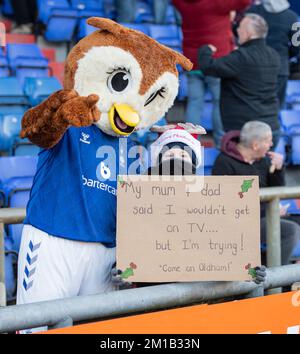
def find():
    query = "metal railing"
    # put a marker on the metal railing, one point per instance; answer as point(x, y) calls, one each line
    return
point(133, 301)
point(272, 197)
point(156, 297)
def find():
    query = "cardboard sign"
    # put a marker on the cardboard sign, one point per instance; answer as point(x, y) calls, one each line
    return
point(165, 233)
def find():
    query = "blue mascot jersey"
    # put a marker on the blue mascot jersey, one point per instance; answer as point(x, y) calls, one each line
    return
point(74, 190)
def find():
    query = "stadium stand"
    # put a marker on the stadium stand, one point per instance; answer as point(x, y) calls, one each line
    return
point(38, 89)
point(206, 116)
point(7, 8)
point(210, 155)
point(142, 27)
point(27, 60)
point(169, 35)
point(57, 14)
point(17, 199)
point(290, 120)
point(10, 274)
point(144, 12)
point(49, 53)
point(9, 130)
point(57, 70)
point(183, 87)
point(20, 38)
point(16, 172)
point(4, 66)
point(293, 93)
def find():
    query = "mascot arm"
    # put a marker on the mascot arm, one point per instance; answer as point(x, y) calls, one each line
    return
point(45, 124)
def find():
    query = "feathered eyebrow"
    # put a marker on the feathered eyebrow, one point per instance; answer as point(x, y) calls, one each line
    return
point(154, 95)
point(112, 70)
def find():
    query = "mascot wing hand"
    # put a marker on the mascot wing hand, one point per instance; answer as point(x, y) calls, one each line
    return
point(45, 124)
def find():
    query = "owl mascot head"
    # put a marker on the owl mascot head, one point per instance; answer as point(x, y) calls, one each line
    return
point(117, 78)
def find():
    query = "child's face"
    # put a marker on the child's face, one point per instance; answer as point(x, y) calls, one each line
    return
point(176, 153)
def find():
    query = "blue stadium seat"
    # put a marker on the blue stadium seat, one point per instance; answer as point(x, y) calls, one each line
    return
point(61, 25)
point(17, 199)
point(210, 155)
point(4, 66)
point(110, 9)
point(7, 8)
point(85, 29)
point(183, 87)
point(282, 146)
point(46, 7)
point(13, 109)
point(10, 276)
point(289, 118)
point(293, 91)
point(295, 145)
point(2, 199)
point(142, 27)
point(294, 208)
point(27, 60)
point(208, 96)
point(169, 35)
point(144, 12)
point(170, 15)
point(291, 123)
point(10, 127)
point(16, 172)
point(38, 89)
point(25, 55)
point(60, 19)
point(296, 253)
point(11, 93)
point(206, 116)
point(15, 167)
point(24, 148)
point(96, 5)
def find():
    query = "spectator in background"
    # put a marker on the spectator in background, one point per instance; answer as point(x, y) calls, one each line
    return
point(246, 153)
point(126, 10)
point(25, 12)
point(160, 9)
point(204, 22)
point(280, 20)
point(249, 77)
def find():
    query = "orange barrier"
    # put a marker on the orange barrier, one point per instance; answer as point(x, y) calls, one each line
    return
point(275, 314)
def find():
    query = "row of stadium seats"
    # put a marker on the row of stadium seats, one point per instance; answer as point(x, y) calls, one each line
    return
point(23, 60)
point(15, 99)
point(70, 17)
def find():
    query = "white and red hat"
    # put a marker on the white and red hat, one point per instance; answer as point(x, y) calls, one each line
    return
point(181, 133)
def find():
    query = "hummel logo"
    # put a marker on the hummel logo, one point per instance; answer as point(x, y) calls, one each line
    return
point(84, 138)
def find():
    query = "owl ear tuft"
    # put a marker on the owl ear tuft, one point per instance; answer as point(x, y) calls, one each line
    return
point(183, 61)
point(107, 24)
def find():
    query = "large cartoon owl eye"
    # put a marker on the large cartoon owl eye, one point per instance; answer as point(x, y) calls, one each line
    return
point(119, 80)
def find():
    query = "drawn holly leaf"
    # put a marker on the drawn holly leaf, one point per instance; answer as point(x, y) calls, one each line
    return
point(247, 184)
point(252, 272)
point(121, 181)
point(127, 273)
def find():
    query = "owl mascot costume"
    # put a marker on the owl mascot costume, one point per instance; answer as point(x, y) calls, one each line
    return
point(117, 80)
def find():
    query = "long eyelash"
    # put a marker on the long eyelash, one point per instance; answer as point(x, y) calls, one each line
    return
point(154, 95)
point(117, 69)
